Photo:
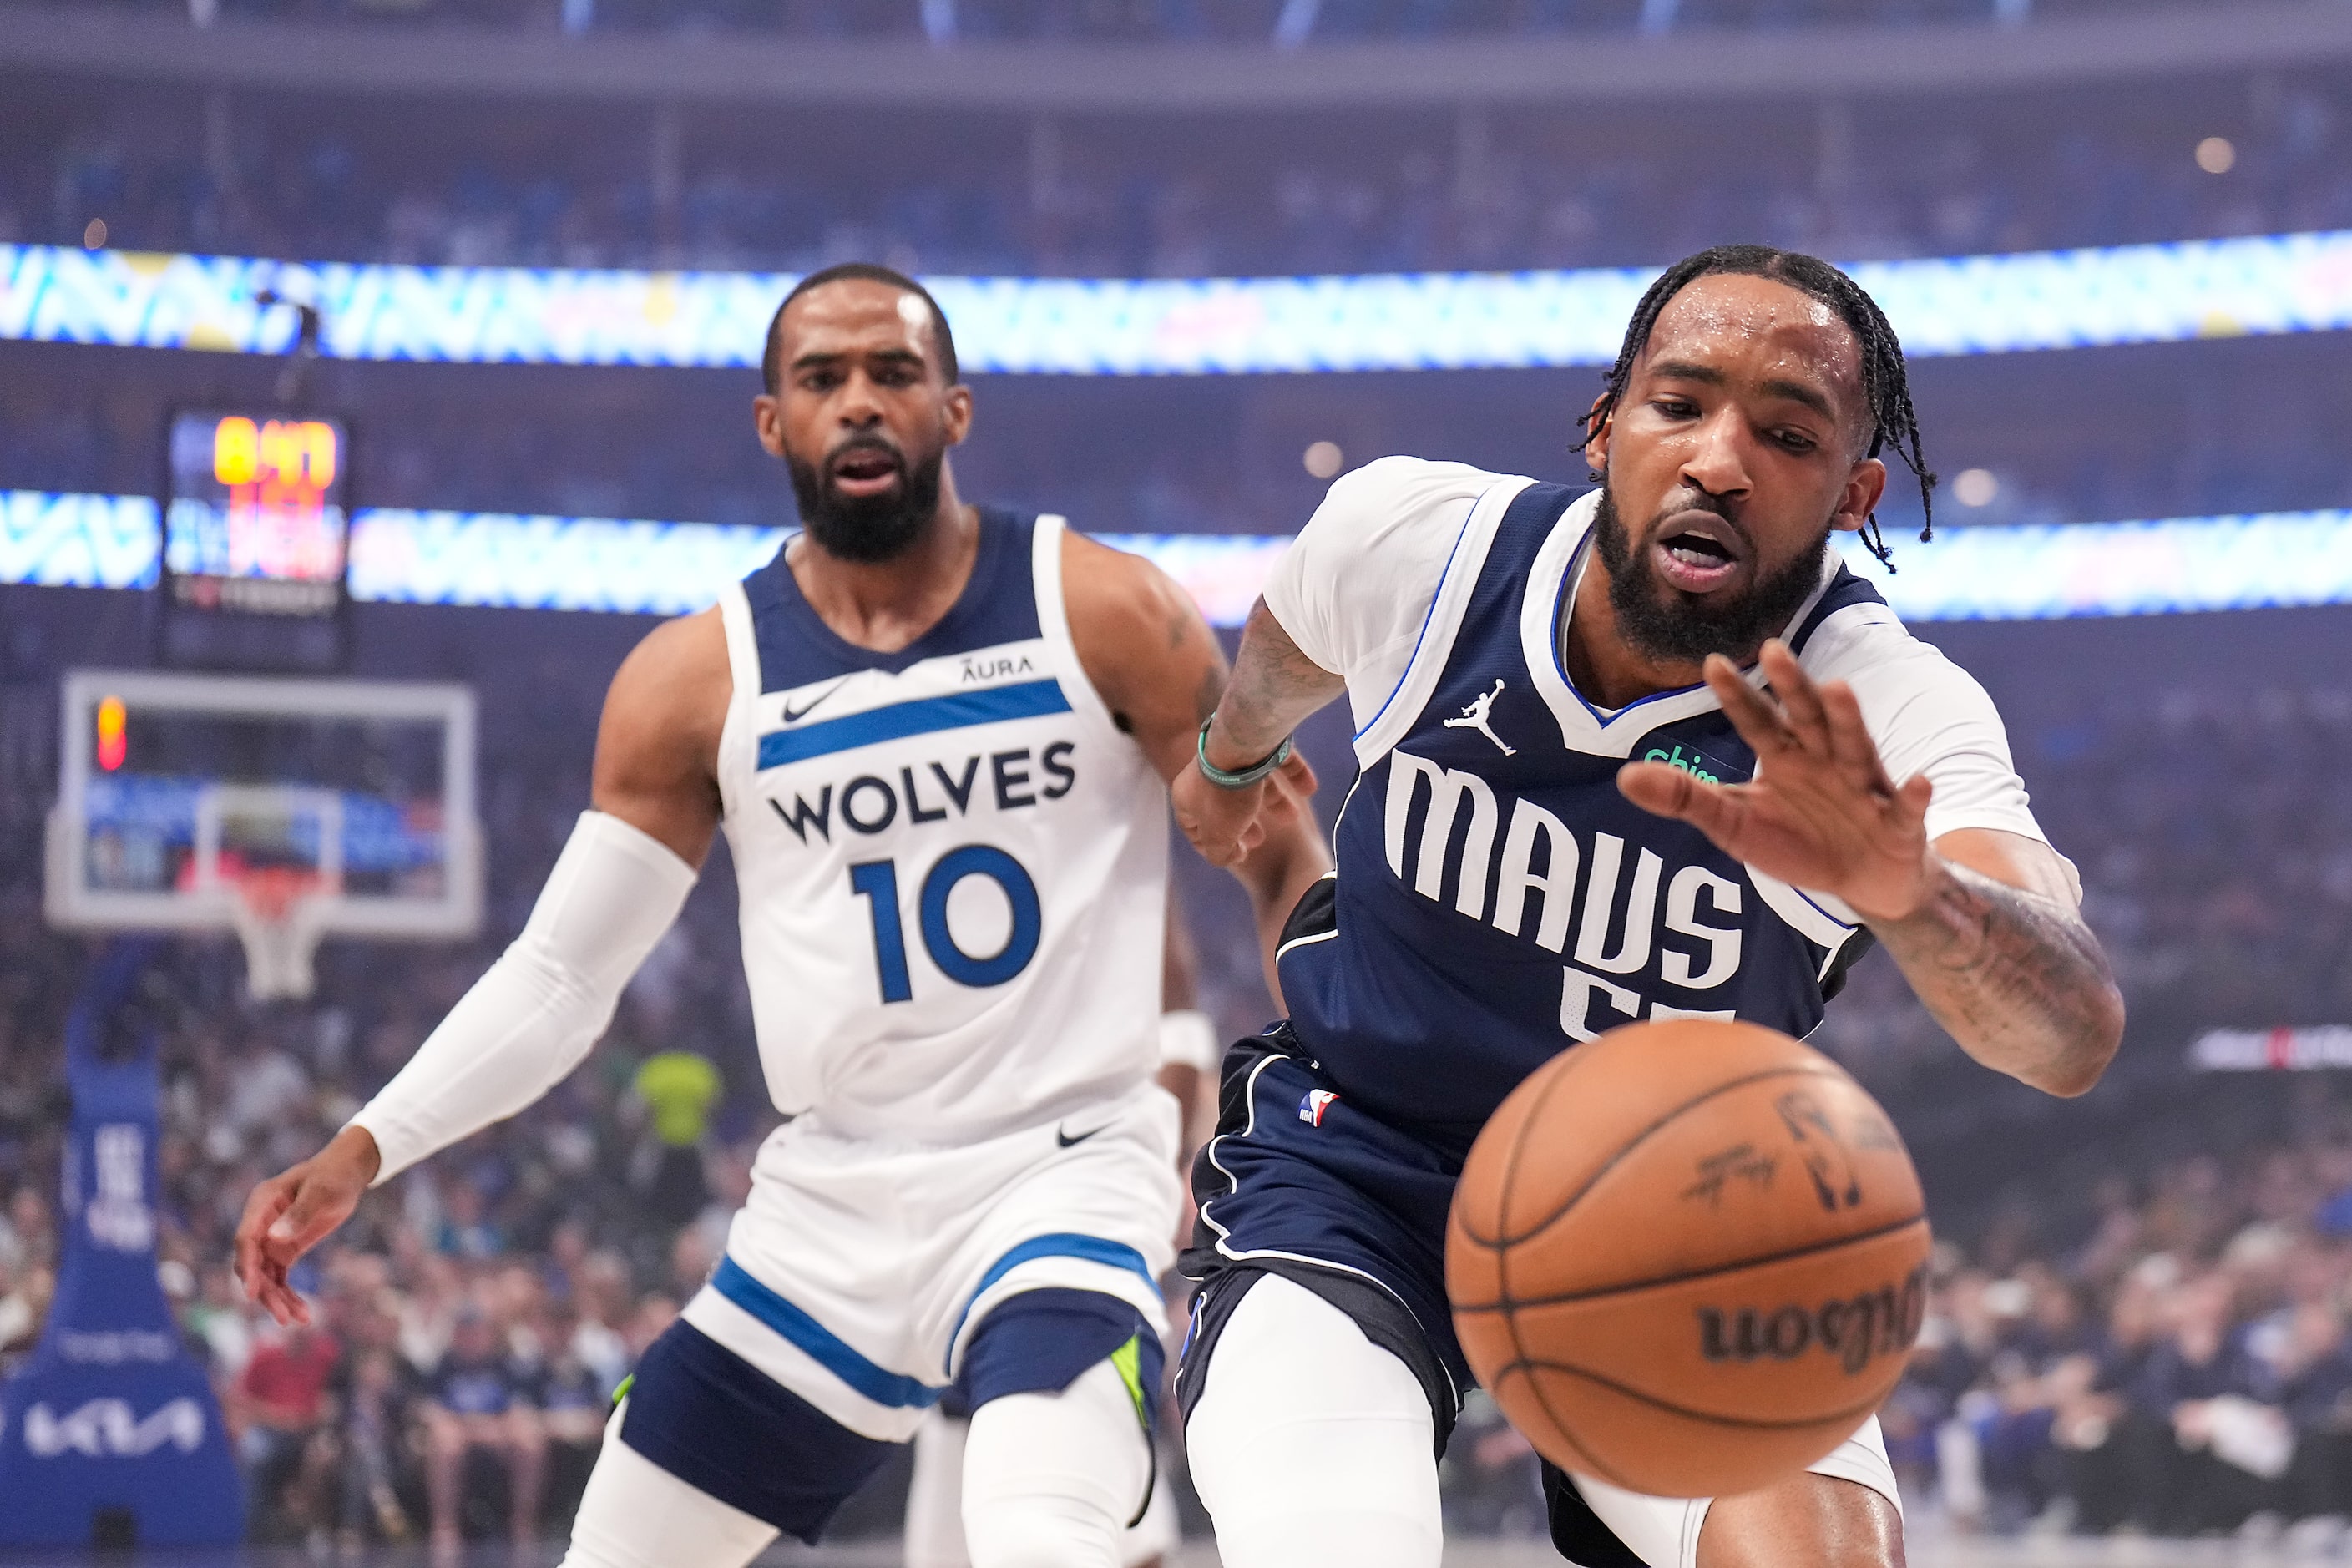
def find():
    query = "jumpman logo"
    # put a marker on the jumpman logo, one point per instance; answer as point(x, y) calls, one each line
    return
point(1474, 717)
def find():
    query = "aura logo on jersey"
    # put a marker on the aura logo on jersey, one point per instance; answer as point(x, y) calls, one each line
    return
point(933, 792)
point(1546, 881)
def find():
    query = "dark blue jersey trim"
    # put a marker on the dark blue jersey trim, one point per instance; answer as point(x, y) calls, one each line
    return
point(1063, 1244)
point(922, 716)
point(998, 606)
point(876, 1383)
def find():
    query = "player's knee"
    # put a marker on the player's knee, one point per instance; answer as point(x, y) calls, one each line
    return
point(1041, 1530)
point(1811, 1520)
point(1050, 1480)
point(1334, 1466)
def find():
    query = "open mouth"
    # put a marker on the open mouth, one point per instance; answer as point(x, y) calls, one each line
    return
point(1698, 552)
point(864, 471)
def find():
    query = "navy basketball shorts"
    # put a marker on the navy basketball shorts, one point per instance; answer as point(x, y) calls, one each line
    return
point(1299, 1183)
point(718, 1423)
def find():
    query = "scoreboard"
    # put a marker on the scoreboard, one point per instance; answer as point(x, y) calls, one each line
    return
point(256, 537)
point(255, 521)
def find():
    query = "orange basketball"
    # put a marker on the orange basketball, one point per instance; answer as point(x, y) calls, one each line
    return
point(1688, 1258)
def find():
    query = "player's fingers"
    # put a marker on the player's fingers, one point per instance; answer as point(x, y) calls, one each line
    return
point(1299, 775)
point(261, 1210)
point(1849, 739)
point(1714, 809)
point(1911, 800)
point(313, 1212)
point(1756, 716)
point(280, 1301)
point(1800, 699)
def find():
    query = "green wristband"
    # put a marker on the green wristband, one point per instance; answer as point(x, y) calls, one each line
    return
point(1246, 776)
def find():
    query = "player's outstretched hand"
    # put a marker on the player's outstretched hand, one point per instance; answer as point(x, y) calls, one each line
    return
point(1225, 824)
point(293, 1212)
point(1820, 812)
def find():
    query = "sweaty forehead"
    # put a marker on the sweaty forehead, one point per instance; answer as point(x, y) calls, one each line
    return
point(1760, 329)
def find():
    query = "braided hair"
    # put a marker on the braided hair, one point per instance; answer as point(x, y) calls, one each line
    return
point(1883, 383)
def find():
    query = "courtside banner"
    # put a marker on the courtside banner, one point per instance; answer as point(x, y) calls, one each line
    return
point(2272, 1050)
point(2047, 571)
point(1063, 326)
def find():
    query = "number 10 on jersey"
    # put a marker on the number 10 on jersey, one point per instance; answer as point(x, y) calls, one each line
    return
point(877, 881)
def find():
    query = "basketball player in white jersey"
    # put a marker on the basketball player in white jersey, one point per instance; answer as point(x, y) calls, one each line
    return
point(938, 737)
point(1581, 806)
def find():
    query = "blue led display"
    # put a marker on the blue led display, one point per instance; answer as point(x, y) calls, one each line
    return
point(1965, 305)
point(2040, 573)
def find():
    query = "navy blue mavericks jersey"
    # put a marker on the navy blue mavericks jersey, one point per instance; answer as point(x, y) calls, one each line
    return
point(1496, 899)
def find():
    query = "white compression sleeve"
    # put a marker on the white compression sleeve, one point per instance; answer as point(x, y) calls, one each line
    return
point(527, 1023)
point(1311, 1444)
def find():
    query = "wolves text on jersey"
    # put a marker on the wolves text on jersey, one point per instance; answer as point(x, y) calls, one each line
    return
point(933, 792)
point(1626, 923)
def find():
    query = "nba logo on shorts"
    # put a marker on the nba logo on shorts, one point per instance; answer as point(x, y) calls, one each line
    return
point(1311, 1109)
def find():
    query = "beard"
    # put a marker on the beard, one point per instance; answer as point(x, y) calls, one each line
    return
point(1669, 627)
point(868, 528)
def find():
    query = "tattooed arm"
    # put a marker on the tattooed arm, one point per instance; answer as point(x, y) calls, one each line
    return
point(1981, 922)
point(1158, 668)
point(1997, 951)
point(1274, 687)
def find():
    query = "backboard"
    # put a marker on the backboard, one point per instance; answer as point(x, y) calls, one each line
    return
point(283, 809)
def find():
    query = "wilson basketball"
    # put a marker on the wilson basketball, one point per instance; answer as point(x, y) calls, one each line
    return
point(1688, 1258)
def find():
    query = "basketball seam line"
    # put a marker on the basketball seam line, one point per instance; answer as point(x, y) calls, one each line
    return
point(1510, 1179)
point(1502, 1242)
point(1503, 1280)
point(1513, 1303)
point(1853, 1412)
point(1519, 1141)
point(1592, 1463)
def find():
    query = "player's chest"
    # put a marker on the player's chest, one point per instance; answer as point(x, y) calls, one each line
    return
point(1537, 852)
point(985, 738)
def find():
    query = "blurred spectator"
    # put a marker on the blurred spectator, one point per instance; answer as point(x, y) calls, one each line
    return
point(2112, 165)
point(480, 1399)
point(678, 1087)
point(379, 1410)
point(279, 1410)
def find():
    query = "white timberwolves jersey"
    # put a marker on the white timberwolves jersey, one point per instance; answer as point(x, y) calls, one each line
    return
point(952, 863)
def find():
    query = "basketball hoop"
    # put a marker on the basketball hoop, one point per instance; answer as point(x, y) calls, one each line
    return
point(276, 911)
point(281, 809)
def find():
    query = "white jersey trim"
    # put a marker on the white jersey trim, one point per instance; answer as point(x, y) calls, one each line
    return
point(1054, 613)
point(1444, 624)
point(744, 664)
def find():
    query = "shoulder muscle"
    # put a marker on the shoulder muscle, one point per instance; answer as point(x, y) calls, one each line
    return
point(1144, 644)
point(658, 745)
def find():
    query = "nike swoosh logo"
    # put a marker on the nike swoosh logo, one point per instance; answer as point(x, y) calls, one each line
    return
point(792, 712)
point(1067, 1141)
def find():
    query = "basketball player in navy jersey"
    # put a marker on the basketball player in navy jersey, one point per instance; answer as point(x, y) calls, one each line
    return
point(938, 737)
point(1646, 752)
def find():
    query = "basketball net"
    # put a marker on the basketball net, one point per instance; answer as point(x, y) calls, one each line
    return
point(275, 909)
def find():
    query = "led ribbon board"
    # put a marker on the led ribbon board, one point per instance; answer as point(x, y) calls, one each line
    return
point(1034, 326)
point(2043, 573)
